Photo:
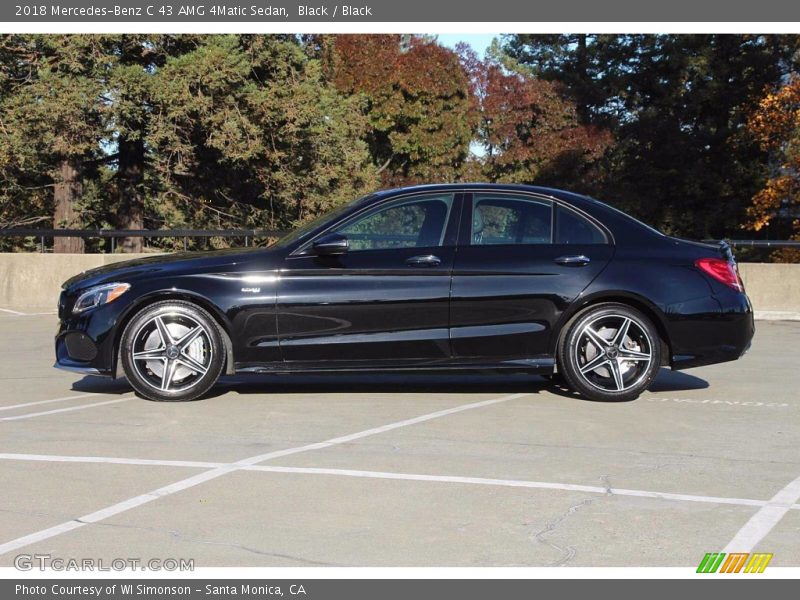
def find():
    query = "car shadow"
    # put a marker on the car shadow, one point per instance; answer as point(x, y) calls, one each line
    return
point(102, 385)
point(666, 381)
point(477, 383)
point(676, 381)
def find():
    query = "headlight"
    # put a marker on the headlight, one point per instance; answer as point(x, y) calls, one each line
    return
point(99, 295)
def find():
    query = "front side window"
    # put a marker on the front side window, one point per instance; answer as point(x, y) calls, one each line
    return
point(417, 222)
point(509, 219)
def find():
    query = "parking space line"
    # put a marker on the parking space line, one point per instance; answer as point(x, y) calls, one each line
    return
point(195, 480)
point(544, 485)
point(112, 460)
point(376, 430)
point(767, 517)
point(63, 410)
point(17, 313)
point(38, 402)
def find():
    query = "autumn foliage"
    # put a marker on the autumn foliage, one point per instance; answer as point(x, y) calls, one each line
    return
point(529, 128)
point(775, 124)
point(420, 107)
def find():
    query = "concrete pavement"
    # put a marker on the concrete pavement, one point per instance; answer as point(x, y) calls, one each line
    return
point(406, 471)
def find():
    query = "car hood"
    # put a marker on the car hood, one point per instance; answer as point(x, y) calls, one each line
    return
point(177, 264)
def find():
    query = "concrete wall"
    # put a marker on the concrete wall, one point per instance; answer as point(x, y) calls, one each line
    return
point(772, 287)
point(34, 280)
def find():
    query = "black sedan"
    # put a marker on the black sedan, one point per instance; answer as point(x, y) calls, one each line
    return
point(444, 277)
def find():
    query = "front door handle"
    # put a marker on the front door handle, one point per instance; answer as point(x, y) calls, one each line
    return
point(424, 260)
point(574, 260)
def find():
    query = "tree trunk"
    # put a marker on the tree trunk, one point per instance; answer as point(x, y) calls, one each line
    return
point(583, 74)
point(131, 181)
point(67, 191)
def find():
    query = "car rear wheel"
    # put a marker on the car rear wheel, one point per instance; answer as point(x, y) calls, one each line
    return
point(172, 351)
point(609, 352)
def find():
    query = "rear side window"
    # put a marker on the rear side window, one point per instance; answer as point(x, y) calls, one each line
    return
point(572, 228)
point(509, 219)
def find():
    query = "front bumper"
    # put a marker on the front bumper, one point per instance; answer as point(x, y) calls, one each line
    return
point(84, 342)
point(66, 366)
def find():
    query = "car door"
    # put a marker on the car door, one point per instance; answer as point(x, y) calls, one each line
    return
point(521, 260)
point(385, 300)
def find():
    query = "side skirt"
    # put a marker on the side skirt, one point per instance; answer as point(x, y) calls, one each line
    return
point(528, 365)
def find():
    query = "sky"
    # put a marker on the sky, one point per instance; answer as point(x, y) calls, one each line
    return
point(479, 41)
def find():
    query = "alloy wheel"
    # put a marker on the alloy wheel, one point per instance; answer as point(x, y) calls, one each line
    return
point(172, 352)
point(613, 353)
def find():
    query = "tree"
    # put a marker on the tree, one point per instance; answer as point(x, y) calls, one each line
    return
point(677, 105)
point(246, 131)
point(530, 131)
point(419, 106)
point(51, 116)
point(775, 125)
point(129, 87)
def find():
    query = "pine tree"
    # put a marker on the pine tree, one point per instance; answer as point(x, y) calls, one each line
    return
point(52, 122)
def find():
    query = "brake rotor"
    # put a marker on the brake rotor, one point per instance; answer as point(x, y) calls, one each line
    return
point(608, 333)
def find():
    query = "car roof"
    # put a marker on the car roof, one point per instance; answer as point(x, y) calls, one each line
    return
point(435, 187)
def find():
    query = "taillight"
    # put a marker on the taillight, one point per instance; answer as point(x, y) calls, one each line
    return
point(721, 270)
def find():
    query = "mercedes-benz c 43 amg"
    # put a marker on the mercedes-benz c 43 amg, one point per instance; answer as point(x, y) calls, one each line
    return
point(429, 278)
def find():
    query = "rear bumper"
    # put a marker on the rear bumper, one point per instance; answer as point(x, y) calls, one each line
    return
point(718, 329)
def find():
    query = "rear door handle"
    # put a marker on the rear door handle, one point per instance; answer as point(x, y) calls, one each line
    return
point(424, 260)
point(574, 260)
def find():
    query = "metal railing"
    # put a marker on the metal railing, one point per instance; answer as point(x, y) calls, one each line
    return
point(249, 235)
point(764, 243)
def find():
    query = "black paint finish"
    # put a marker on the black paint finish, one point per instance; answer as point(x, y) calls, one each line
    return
point(452, 304)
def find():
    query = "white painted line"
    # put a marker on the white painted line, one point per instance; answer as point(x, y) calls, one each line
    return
point(544, 485)
point(113, 460)
point(17, 313)
point(190, 482)
point(64, 399)
point(376, 430)
point(717, 402)
point(761, 523)
point(569, 487)
point(34, 537)
point(63, 410)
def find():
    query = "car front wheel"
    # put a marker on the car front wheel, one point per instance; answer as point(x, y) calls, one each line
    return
point(609, 352)
point(172, 351)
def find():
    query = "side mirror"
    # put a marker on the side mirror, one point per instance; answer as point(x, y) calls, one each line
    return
point(332, 244)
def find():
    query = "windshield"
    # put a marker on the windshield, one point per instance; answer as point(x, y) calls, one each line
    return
point(309, 226)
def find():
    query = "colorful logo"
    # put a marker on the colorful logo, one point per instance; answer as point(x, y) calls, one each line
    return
point(735, 562)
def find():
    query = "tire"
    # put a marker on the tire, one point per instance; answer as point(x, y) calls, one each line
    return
point(592, 353)
point(172, 351)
